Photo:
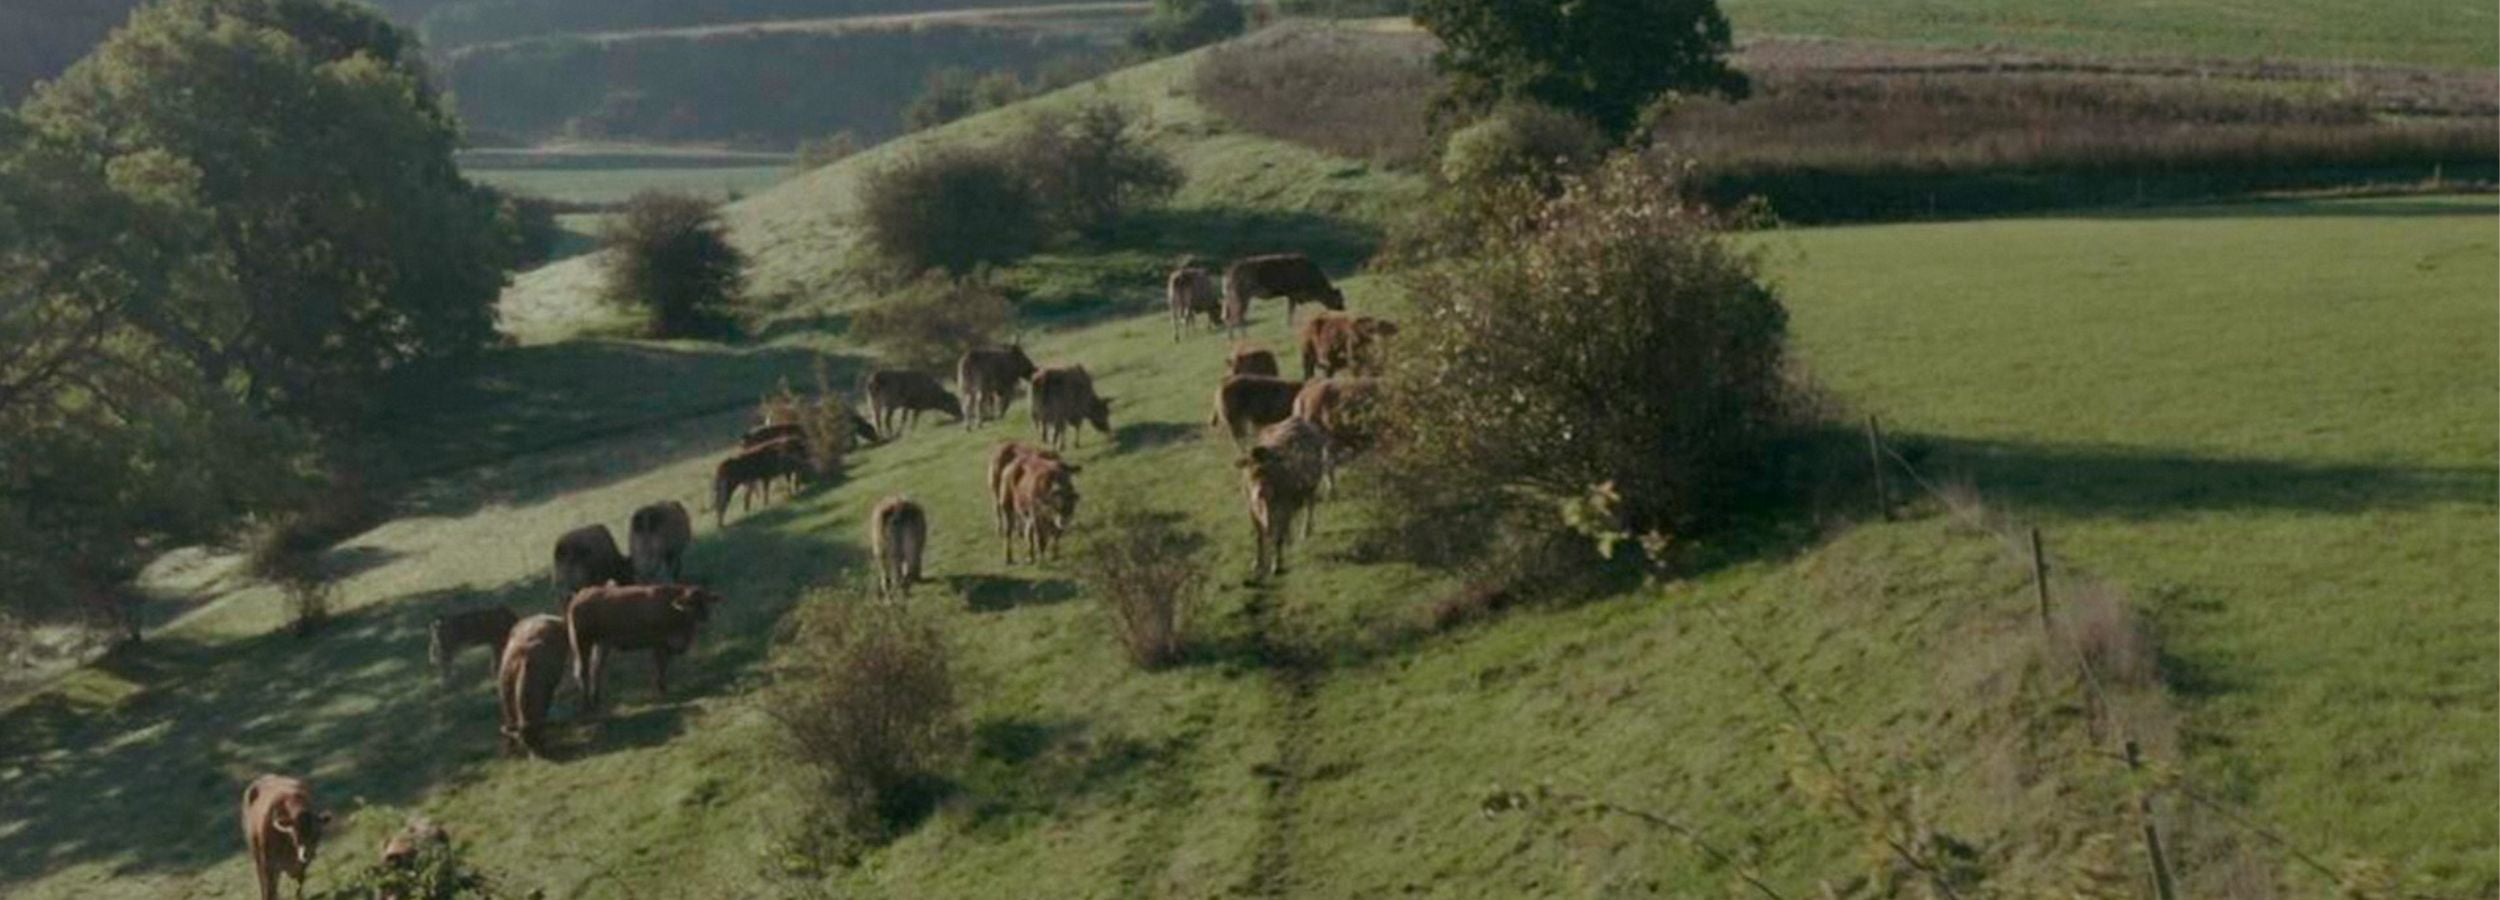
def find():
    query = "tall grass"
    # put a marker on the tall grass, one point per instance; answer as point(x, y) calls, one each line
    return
point(1352, 95)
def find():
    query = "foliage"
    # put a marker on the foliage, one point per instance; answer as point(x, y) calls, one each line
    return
point(865, 700)
point(434, 872)
point(1522, 141)
point(1089, 168)
point(1147, 568)
point(825, 421)
point(532, 221)
point(931, 321)
point(952, 209)
point(1606, 336)
point(1178, 25)
point(817, 153)
point(1361, 96)
point(1607, 60)
point(669, 254)
point(944, 97)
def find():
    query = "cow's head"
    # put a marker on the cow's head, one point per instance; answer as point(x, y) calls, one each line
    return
point(1020, 365)
point(949, 404)
point(696, 604)
point(1100, 414)
point(302, 827)
point(1333, 299)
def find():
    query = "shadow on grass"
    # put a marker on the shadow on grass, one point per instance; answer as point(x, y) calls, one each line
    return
point(1024, 770)
point(1000, 593)
point(2129, 483)
point(1149, 435)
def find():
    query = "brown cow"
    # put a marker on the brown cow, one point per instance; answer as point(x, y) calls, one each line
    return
point(1063, 400)
point(282, 829)
point(1192, 291)
point(1247, 403)
point(899, 397)
point(755, 468)
point(1341, 407)
point(1281, 475)
point(454, 632)
point(988, 377)
point(586, 556)
point(1003, 473)
point(765, 434)
point(531, 668)
point(1333, 343)
point(657, 537)
point(1045, 506)
point(1247, 360)
point(400, 850)
point(1289, 275)
point(898, 533)
point(660, 618)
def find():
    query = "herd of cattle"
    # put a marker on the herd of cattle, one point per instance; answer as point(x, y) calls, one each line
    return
point(633, 599)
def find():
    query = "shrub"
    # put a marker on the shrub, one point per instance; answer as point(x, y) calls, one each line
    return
point(1147, 568)
point(1357, 95)
point(865, 699)
point(1608, 61)
point(436, 872)
point(825, 151)
point(1088, 169)
point(1604, 337)
point(952, 209)
point(1522, 141)
point(944, 97)
point(532, 222)
point(669, 254)
point(824, 419)
point(1178, 25)
point(931, 322)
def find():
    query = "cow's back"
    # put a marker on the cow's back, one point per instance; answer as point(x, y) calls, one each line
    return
point(626, 618)
point(1246, 402)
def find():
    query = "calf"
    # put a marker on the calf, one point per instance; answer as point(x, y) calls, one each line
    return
point(1250, 361)
point(454, 632)
point(1045, 506)
point(660, 618)
point(755, 468)
point(988, 377)
point(1064, 399)
point(1332, 343)
point(896, 397)
point(282, 829)
point(1192, 291)
point(898, 532)
point(531, 668)
point(1247, 403)
point(1343, 408)
point(1289, 275)
point(586, 556)
point(1280, 476)
point(1005, 461)
point(657, 537)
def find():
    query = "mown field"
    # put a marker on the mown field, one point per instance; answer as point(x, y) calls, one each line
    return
point(2426, 32)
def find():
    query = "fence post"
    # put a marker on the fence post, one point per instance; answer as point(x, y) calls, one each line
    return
point(1875, 458)
point(2040, 578)
point(2162, 886)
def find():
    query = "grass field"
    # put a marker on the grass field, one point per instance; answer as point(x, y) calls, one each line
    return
point(2426, 32)
point(616, 185)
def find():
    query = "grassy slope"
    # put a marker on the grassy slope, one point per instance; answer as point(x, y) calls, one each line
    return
point(2426, 32)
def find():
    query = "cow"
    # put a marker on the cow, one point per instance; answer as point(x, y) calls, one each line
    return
point(1045, 506)
point(1192, 291)
point(526, 678)
point(1333, 343)
point(1289, 275)
point(1004, 461)
point(755, 468)
point(1280, 476)
point(586, 556)
point(1247, 403)
point(1063, 400)
point(988, 377)
point(453, 632)
point(282, 829)
point(419, 834)
point(899, 397)
point(1251, 361)
point(764, 434)
point(898, 532)
point(660, 618)
point(656, 537)
point(1341, 407)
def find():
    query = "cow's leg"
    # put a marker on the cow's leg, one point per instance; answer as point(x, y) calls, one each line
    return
point(260, 870)
point(659, 672)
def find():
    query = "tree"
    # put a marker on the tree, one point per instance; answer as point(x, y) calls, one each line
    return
point(1178, 25)
point(339, 241)
point(1608, 60)
point(1087, 169)
point(669, 254)
point(953, 209)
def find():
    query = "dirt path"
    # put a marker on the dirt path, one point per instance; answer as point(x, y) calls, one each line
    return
point(1293, 673)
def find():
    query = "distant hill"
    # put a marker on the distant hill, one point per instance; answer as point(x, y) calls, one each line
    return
point(455, 23)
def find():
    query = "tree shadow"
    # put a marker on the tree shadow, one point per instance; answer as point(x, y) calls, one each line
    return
point(999, 593)
point(1149, 435)
point(2136, 484)
point(1024, 770)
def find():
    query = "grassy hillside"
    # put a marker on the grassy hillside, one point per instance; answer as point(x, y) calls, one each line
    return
point(2426, 32)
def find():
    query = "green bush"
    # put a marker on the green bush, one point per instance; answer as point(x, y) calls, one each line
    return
point(945, 97)
point(1147, 568)
point(1178, 25)
point(1522, 141)
point(1088, 168)
point(1609, 60)
point(669, 254)
point(436, 872)
point(818, 153)
point(952, 209)
point(864, 698)
point(930, 322)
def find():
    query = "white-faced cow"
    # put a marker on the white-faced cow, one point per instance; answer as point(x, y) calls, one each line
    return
point(283, 830)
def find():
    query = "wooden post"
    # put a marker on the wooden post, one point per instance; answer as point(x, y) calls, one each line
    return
point(2162, 886)
point(2040, 578)
point(1875, 458)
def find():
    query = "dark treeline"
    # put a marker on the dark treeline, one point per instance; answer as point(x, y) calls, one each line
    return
point(460, 22)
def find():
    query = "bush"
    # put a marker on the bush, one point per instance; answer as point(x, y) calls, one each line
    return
point(532, 221)
point(1178, 25)
point(946, 96)
point(1147, 568)
point(865, 700)
point(930, 323)
point(669, 254)
point(824, 419)
point(1604, 337)
point(1359, 95)
point(1087, 169)
point(436, 872)
point(825, 151)
point(952, 209)
point(1522, 141)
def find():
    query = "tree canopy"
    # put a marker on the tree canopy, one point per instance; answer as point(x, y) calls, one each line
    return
point(1608, 60)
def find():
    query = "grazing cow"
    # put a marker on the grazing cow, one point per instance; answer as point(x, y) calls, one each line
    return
point(659, 618)
point(401, 850)
point(1251, 361)
point(461, 630)
point(1281, 476)
point(586, 556)
point(898, 531)
point(1004, 471)
point(861, 430)
point(755, 468)
point(764, 434)
point(1289, 275)
point(1341, 407)
point(1333, 343)
point(657, 537)
point(282, 829)
point(1193, 292)
point(896, 396)
point(1247, 403)
point(1045, 506)
point(532, 667)
point(1063, 400)
point(988, 377)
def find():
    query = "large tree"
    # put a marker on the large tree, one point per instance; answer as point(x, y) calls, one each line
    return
point(340, 240)
point(1604, 59)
